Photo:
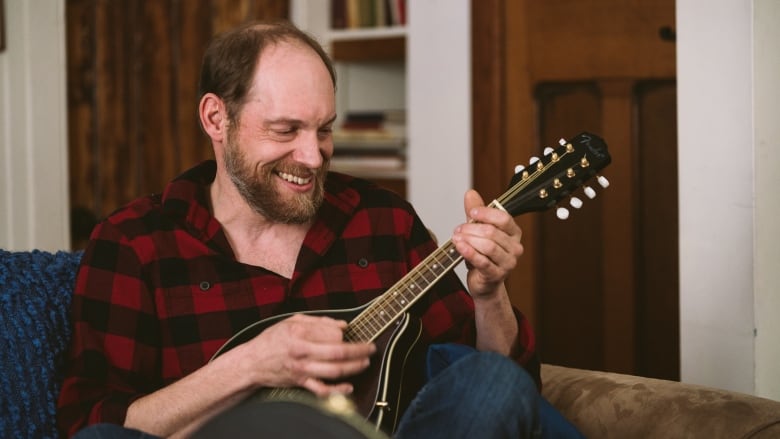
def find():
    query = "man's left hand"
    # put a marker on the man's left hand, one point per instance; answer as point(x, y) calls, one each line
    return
point(490, 243)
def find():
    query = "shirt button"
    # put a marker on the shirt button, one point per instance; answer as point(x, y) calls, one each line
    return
point(363, 262)
point(204, 286)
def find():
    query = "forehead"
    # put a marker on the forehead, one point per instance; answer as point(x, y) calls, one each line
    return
point(290, 80)
point(290, 60)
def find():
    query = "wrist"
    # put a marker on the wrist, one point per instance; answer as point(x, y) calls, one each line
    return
point(487, 294)
point(243, 367)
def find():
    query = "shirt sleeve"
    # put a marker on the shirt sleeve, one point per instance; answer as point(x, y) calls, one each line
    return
point(448, 314)
point(114, 349)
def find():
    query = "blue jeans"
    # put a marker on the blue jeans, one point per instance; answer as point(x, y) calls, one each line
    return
point(482, 394)
point(111, 431)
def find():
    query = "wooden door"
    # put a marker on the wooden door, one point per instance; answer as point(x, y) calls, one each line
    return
point(132, 94)
point(601, 288)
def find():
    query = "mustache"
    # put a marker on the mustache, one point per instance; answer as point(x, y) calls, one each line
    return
point(288, 167)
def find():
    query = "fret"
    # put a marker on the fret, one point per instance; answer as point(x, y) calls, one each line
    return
point(356, 333)
point(391, 305)
point(452, 254)
point(372, 326)
point(428, 275)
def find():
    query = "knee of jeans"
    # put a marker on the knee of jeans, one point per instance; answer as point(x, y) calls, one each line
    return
point(505, 378)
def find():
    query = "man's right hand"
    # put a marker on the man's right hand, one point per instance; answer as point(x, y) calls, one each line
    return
point(305, 351)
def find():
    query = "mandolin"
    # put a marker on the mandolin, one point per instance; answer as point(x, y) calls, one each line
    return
point(379, 395)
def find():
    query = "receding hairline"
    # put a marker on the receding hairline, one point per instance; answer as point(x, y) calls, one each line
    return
point(293, 35)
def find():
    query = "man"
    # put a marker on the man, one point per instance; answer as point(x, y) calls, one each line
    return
point(265, 230)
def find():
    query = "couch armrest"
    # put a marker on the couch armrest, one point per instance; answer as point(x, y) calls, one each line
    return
point(605, 405)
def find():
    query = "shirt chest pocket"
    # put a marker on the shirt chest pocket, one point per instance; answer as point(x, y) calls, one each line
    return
point(210, 286)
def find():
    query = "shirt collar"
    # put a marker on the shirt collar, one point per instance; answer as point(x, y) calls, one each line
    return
point(186, 198)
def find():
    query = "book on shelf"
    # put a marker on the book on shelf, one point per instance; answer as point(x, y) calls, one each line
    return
point(371, 144)
point(372, 131)
point(367, 162)
point(367, 140)
point(347, 14)
point(373, 166)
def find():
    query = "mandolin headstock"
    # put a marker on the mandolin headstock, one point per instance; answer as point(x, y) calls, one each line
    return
point(556, 175)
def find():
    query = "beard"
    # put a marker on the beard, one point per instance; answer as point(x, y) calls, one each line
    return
point(259, 187)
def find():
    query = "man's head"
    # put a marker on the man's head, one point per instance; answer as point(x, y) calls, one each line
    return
point(268, 104)
point(231, 58)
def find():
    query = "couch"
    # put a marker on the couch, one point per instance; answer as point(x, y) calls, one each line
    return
point(35, 291)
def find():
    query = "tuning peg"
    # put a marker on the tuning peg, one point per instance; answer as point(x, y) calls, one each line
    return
point(603, 181)
point(533, 160)
point(562, 213)
point(548, 151)
point(575, 202)
point(561, 141)
point(590, 192)
point(519, 169)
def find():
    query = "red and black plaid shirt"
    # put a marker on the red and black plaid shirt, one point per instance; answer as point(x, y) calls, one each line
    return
point(159, 289)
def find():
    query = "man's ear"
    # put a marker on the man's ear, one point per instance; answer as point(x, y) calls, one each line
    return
point(213, 117)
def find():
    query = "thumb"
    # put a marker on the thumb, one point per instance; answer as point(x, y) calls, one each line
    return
point(471, 200)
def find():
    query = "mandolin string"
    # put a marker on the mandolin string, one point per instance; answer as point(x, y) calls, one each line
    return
point(414, 280)
point(523, 183)
point(374, 319)
point(360, 324)
point(389, 300)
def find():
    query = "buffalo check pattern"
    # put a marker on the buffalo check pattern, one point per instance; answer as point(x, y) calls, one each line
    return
point(159, 289)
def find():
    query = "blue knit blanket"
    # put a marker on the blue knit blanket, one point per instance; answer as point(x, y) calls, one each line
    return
point(35, 293)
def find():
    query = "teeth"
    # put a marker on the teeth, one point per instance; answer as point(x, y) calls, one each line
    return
point(294, 179)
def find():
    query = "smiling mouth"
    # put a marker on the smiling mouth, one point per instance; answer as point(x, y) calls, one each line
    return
point(293, 178)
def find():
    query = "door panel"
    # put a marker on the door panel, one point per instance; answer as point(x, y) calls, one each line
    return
point(567, 279)
point(657, 272)
point(601, 287)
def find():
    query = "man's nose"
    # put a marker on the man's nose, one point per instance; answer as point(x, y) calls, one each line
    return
point(308, 151)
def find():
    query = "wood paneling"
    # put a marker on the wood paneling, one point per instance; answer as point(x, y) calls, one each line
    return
point(658, 306)
point(498, 143)
point(567, 274)
point(599, 39)
point(132, 83)
point(545, 70)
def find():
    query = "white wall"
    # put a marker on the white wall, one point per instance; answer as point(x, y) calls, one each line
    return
point(766, 280)
point(33, 128)
point(439, 111)
point(728, 205)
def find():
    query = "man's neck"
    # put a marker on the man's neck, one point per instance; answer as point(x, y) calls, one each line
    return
point(255, 240)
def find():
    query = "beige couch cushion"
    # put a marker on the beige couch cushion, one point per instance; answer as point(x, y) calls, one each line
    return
point(610, 405)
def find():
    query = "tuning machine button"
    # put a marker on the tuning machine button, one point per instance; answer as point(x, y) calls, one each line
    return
point(603, 181)
point(575, 202)
point(589, 192)
point(562, 213)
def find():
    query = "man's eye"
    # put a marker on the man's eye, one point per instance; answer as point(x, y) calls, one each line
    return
point(286, 131)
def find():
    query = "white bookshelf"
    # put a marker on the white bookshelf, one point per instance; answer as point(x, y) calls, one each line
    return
point(362, 85)
point(434, 85)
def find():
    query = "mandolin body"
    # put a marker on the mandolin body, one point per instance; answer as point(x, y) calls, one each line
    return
point(385, 388)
